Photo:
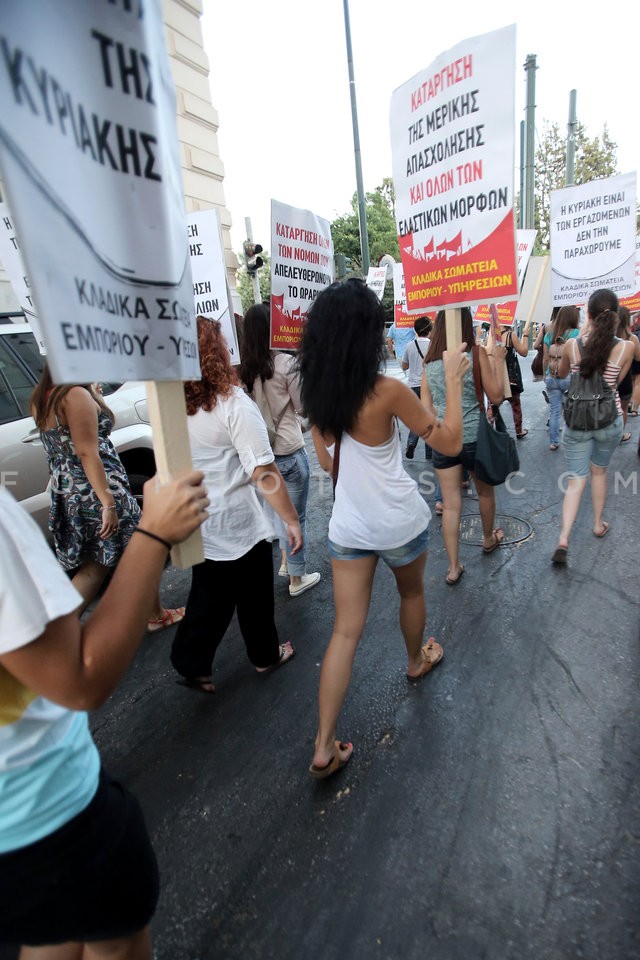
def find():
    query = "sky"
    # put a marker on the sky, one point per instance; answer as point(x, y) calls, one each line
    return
point(279, 81)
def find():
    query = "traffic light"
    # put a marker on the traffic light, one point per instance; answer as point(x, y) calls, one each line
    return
point(251, 259)
point(342, 264)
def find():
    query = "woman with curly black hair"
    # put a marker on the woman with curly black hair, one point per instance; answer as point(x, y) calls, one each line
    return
point(588, 452)
point(378, 511)
point(229, 444)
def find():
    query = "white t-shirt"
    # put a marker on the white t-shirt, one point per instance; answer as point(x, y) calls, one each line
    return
point(415, 361)
point(227, 444)
point(378, 505)
point(49, 764)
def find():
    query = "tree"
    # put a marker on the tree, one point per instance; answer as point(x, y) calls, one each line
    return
point(244, 283)
point(594, 159)
point(381, 227)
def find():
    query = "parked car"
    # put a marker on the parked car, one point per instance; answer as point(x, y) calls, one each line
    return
point(23, 464)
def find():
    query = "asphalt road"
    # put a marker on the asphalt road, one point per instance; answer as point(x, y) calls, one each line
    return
point(489, 811)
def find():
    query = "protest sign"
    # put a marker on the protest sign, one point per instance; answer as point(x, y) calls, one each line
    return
point(376, 279)
point(301, 266)
point(452, 140)
point(593, 231)
point(12, 261)
point(525, 240)
point(401, 317)
point(632, 303)
point(211, 295)
point(89, 156)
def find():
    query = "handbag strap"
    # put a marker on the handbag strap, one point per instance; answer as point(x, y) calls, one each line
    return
point(336, 464)
point(419, 350)
point(476, 375)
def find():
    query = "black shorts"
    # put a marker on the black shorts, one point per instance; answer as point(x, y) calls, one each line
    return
point(466, 458)
point(96, 878)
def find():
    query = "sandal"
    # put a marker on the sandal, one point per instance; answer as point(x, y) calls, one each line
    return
point(521, 436)
point(432, 654)
point(439, 507)
point(337, 762)
point(167, 619)
point(560, 555)
point(498, 537)
point(554, 446)
point(453, 580)
point(603, 532)
point(625, 438)
point(286, 653)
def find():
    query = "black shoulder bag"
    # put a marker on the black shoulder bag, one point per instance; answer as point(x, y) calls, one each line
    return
point(496, 453)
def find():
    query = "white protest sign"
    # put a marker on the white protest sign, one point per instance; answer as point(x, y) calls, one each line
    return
point(13, 263)
point(632, 303)
point(90, 158)
point(209, 275)
point(376, 279)
point(452, 141)
point(301, 266)
point(525, 242)
point(593, 239)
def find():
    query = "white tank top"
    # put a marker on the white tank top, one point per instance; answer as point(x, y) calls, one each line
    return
point(377, 506)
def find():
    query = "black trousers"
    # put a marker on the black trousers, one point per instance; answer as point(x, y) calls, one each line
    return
point(218, 588)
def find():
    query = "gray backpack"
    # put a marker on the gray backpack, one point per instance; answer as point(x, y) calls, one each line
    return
point(589, 403)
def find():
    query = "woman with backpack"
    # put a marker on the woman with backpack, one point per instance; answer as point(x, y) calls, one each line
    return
point(271, 379)
point(563, 328)
point(597, 361)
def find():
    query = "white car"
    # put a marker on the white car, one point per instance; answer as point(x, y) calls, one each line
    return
point(23, 464)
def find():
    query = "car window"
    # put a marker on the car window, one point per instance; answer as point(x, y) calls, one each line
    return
point(26, 347)
point(15, 386)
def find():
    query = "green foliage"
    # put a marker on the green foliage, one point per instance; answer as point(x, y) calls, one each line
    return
point(594, 159)
point(244, 283)
point(381, 228)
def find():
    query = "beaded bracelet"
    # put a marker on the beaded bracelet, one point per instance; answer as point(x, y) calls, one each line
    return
point(154, 536)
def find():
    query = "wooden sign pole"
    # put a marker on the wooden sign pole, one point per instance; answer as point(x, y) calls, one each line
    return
point(453, 323)
point(168, 417)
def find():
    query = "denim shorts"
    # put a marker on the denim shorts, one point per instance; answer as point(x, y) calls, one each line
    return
point(466, 458)
point(583, 447)
point(397, 557)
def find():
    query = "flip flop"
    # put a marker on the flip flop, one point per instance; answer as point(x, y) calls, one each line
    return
point(452, 582)
point(286, 653)
point(521, 436)
point(560, 555)
point(625, 438)
point(432, 654)
point(168, 618)
point(336, 763)
point(603, 532)
point(202, 684)
point(632, 413)
point(498, 537)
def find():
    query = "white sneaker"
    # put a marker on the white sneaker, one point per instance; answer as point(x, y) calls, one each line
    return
point(307, 581)
point(283, 572)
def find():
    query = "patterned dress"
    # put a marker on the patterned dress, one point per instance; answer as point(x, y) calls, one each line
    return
point(75, 515)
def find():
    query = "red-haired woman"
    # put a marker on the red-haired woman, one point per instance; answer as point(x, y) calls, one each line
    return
point(229, 443)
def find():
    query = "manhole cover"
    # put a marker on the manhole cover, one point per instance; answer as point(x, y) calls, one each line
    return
point(515, 529)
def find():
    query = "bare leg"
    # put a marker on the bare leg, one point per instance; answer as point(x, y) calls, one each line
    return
point(352, 581)
point(135, 947)
point(487, 507)
point(87, 580)
point(570, 506)
point(450, 484)
point(413, 611)
point(598, 495)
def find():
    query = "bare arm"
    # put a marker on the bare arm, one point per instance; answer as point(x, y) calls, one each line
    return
point(492, 372)
point(320, 445)
point(521, 346)
point(540, 337)
point(269, 481)
point(80, 412)
point(79, 664)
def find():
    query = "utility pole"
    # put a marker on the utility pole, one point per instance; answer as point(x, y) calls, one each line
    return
point(257, 296)
point(522, 166)
point(572, 126)
point(362, 207)
point(530, 68)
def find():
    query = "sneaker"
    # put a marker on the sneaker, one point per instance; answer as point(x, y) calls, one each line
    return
point(307, 581)
point(409, 452)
